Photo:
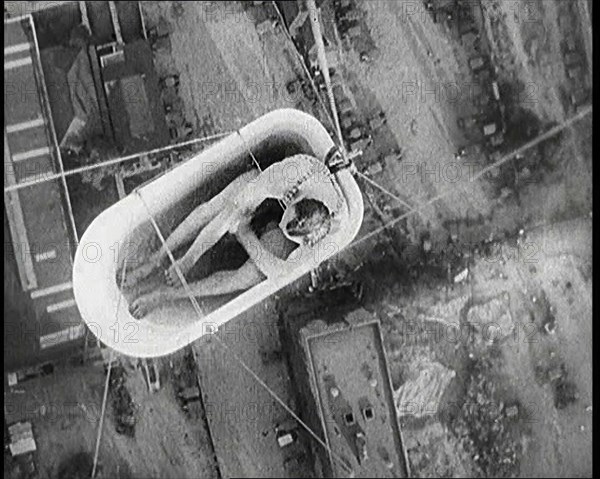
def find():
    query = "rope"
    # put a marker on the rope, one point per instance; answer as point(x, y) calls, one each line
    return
point(544, 136)
point(105, 395)
point(240, 361)
point(281, 203)
point(381, 188)
point(304, 68)
point(114, 161)
point(316, 28)
point(104, 399)
point(171, 257)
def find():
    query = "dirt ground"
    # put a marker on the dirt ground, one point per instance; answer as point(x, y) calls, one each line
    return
point(518, 404)
point(241, 413)
point(548, 275)
point(414, 62)
point(229, 74)
point(546, 439)
point(64, 409)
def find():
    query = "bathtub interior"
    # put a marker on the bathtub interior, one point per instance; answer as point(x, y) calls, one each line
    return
point(227, 254)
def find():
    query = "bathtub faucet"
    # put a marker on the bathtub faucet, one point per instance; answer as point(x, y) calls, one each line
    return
point(335, 161)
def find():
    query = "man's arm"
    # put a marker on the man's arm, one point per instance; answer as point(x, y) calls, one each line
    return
point(277, 180)
point(266, 261)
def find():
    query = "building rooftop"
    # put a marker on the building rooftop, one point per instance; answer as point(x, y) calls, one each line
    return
point(39, 257)
point(133, 97)
point(342, 381)
point(355, 399)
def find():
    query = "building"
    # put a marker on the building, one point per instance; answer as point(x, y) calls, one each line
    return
point(73, 72)
point(39, 216)
point(133, 98)
point(295, 16)
point(344, 391)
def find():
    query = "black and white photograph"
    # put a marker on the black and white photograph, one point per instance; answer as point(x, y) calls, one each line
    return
point(298, 238)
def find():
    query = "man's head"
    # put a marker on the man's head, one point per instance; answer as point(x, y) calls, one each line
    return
point(306, 221)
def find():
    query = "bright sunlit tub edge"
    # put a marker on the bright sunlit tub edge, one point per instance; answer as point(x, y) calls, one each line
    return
point(98, 296)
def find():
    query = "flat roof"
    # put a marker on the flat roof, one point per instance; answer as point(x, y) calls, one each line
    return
point(348, 365)
point(38, 216)
point(134, 99)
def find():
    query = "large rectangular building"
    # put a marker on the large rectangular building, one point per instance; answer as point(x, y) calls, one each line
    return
point(38, 215)
point(344, 391)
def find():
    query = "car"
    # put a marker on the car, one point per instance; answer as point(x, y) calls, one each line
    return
point(338, 91)
point(292, 87)
point(575, 72)
point(351, 15)
point(342, 4)
point(189, 394)
point(477, 63)
point(497, 139)
point(285, 438)
point(345, 25)
point(345, 107)
point(152, 376)
point(270, 356)
point(352, 32)
point(572, 59)
point(393, 156)
point(346, 122)
point(355, 133)
point(496, 91)
point(579, 97)
point(377, 121)
point(467, 122)
point(360, 145)
point(286, 432)
point(361, 446)
point(570, 43)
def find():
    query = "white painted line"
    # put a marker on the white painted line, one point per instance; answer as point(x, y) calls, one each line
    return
point(48, 111)
point(16, 223)
point(26, 155)
point(102, 164)
point(37, 178)
point(69, 334)
point(38, 293)
point(46, 255)
point(115, 21)
point(26, 125)
point(18, 18)
point(68, 303)
point(84, 15)
point(17, 63)
point(21, 47)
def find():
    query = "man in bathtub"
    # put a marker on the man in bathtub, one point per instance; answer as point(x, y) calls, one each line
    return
point(313, 208)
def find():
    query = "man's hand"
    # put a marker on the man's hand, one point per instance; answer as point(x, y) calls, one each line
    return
point(234, 226)
point(268, 263)
point(239, 224)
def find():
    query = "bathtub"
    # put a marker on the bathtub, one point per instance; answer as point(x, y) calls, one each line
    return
point(125, 231)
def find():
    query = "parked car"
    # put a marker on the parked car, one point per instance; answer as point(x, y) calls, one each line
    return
point(286, 432)
point(152, 376)
point(467, 122)
point(490, 128)
point(189, 394)
point(477, 63)
point(377, 121)
point(573, 58)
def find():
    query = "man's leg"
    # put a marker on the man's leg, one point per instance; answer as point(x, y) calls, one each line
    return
point(214, 230)
point(189, 227)
point(205, 240)
point(203, 215)
point(217, 284)
point(184, 233)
